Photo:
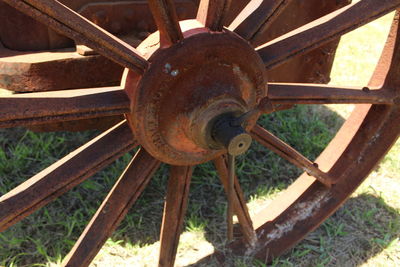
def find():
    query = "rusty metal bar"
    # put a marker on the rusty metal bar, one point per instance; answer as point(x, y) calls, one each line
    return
point(239, 202)
point(69, 23)
point(273, 143)
point(212, 13)
point(391, 53)
point(230, 196)
point(323, 30)
point(253, 21)
point(164, 13)
point(65, 174)
point(295, 93)
point(174, 212)
point(122, 196)
point(55, 106)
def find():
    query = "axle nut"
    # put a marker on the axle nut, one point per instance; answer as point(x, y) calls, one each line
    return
point(233, 137)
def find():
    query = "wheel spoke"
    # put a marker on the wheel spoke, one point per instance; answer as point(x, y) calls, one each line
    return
point(286, 93)
point(55, 106)
point(230, 196)
point(273, 143)
point(69, 23)
point(239, 203)
point(252, 21)
point(174, 212)
point(113, 209)
point(212, 13)
point(164, 13)
point(323, 30)
point(391, 53)
point(65, 174)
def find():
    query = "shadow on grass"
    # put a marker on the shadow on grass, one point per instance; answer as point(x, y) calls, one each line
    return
point(364, 227)
point(360, 230)
point(47, 235)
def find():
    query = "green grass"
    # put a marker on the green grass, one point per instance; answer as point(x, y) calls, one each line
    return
point(364, 232)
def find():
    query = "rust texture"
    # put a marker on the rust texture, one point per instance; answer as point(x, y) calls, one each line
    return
point(185, 98)
point(239, 203)
point(38, 72)
point(179, 83)
point(174, 213)
point(164, 13)
point(41, 107)
point(65, 174)
point(49, 71)
point(122, 196)
point(312, 67)
point(213, 14)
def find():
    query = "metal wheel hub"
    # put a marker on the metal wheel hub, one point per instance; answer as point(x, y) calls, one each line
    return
point(187, 87)
point(195, 93)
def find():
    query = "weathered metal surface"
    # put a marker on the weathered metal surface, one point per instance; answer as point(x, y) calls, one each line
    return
point(100, 123)
point(288, 15)
point(112, 211)
point(164, 13)
point(125, 17)
point(213, 14)
point(174, 213)
point(52, 71)
point(134, 16)
point(176, 97)
point(55, 70)
point(44, 71)
point(182, 92)
point(22, 33)
point(229, 135)
point(284, 93)
point(306, 203)
point(312, 67)
point(238, 202)
point(273, 143)
point(83, 31)
point(323, 30)
point(255, 19)
point(41, 107)
point(356, 149)
point(315, 66)
point(230, 196)
point(65, 174)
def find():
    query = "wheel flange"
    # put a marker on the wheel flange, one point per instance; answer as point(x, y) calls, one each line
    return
point(186, 87)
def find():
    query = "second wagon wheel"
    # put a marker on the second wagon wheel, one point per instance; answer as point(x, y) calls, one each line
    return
point(195, 91)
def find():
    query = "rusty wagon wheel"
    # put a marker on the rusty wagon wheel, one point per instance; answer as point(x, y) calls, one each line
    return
point(192, 92)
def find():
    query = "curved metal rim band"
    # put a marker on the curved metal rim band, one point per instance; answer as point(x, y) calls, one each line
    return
point(307, 203)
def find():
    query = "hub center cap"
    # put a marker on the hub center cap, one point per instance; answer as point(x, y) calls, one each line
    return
point(187, 87)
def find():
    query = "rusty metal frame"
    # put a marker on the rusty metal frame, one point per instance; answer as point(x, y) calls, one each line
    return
point(358, 146)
